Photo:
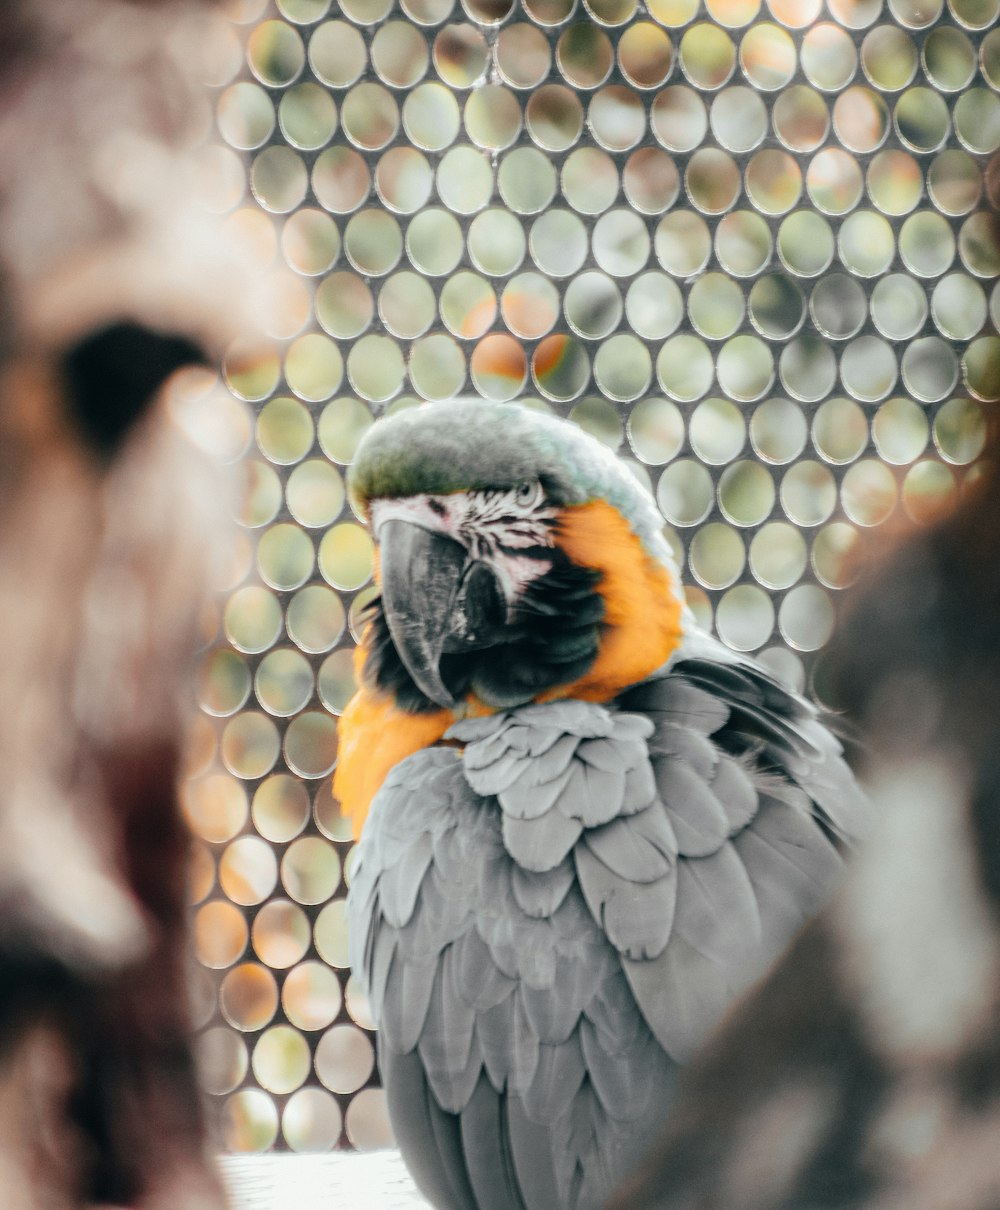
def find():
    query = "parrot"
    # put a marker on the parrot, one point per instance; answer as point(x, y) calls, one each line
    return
point(586, 825)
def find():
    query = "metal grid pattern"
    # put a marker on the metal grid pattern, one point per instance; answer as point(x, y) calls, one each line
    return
point(742, 241)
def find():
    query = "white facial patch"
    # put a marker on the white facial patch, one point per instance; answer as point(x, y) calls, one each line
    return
point(493, 524)
point(417, 510)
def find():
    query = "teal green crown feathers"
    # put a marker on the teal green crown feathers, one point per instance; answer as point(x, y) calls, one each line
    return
point(468, 444)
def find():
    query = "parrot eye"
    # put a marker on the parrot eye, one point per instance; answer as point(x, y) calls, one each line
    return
point(528, 492)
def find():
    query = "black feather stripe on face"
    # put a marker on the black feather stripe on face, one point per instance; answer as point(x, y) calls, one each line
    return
point(552, 638)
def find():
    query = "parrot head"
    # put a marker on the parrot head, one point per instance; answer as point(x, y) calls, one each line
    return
point(518, 560)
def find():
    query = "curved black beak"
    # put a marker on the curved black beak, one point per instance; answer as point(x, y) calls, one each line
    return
point(436, 600)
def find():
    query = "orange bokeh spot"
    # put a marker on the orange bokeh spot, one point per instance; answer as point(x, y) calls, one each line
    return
point(500, 355)
point(550, 353)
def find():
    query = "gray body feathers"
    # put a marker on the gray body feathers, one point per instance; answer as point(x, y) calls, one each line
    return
point(551, 919)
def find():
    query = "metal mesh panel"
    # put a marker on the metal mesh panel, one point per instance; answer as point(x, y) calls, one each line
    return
point(743, 242)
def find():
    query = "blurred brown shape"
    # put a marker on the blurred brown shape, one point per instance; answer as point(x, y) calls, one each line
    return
point(112, 276)
point(864, 1071)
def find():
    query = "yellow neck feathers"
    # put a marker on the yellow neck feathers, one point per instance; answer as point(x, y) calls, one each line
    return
point(641, 629)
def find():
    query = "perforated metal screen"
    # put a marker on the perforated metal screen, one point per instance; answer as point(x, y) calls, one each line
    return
point(743, 241)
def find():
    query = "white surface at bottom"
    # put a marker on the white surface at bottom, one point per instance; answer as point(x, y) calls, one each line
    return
point(374, 1180)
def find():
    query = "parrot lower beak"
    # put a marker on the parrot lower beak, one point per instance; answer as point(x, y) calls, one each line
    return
point(436, 600)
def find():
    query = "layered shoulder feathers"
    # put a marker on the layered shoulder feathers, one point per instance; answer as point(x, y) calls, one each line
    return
point(552, 913)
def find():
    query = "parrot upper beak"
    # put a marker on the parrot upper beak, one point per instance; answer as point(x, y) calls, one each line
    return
point(436, 600)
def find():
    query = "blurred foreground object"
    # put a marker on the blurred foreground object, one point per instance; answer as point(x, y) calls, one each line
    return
point(866, 1070)
point(111, 278)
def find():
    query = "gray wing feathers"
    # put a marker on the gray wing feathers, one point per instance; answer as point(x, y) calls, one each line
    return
point(736, 790)
point(682, 995)
point(550, 924)
point(611, 756)
point(540, 844)
point(627, 871)
point(640, 788)
point(430, 1138)
point(791, 738)
point(406, 998)
point(400, 884)
point(477, 978)
point(441, 919)
point(486, 1136)
point(714, 948)
point(593, 796)
point(557, 1081)
point(446, 1041)
point(529, 797)
point(553, 1015)
point(532, 1158)
point(507, 1043)
point(691, 745)
point(716, 908)
point(614, 1083)
point(541, 894)
point(612, 1013)
point(693, 708)
point(596, 771)
point(639, 848)
point(700, 822)
point(751, 781)
point(374, 973)
point(593, 1148)
point(790, 868)
point(491, 1006)
point(636, 917)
